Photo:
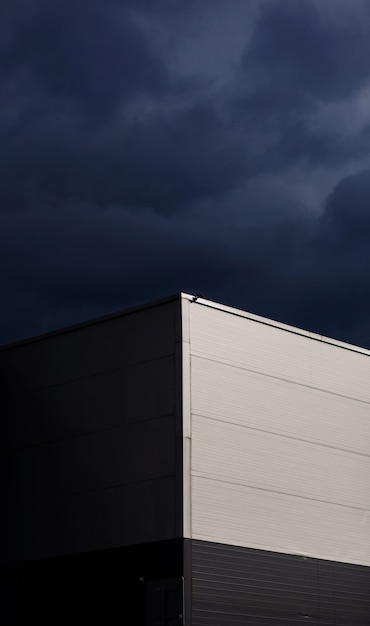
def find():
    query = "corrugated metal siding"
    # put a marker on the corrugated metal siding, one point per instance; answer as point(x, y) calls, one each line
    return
point(240, 515)
point(233, 586)
point(271, 351)
point(100, 460)
point(280, 439)
point(110, 517)
point(98, 347)
point(265, 403)
point(283, 465)
point(90, 438)
point(107, 399)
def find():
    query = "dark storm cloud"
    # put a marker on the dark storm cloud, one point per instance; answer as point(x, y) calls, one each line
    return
point(347, 216)
point(188, 155)
point(70, 72)
point(125, 177)
point(297, 48)
point(93, 260)
point(300, 59)
point(161, 162)
point(86, 51)
point(78, 58)
point(333, 267)
point(302, 143)
point(311, 273)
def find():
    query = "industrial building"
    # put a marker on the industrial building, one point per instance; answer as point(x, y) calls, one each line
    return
point(184, 462)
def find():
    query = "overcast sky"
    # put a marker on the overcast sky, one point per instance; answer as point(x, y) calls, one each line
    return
point(219, 147)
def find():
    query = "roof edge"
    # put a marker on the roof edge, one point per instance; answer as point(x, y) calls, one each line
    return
point(268, 322)
point(91, 322)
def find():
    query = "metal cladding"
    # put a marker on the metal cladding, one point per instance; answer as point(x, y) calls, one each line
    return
point(207, 464)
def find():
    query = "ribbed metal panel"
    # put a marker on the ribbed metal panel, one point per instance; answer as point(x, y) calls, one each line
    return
point(102, 460)
point(101, 346)
point(89, 404)
point(280, 439)
point(231, 513)
point(266, 403)
point(269, 350)
point(280, 464)
point(124, 515)
point(90, 437)
point(233, 586)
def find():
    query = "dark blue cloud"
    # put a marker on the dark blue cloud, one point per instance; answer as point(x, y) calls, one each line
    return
point(73, 74)
point(124, 177)
point(89, 52)
point(162, 161)
point(335, 290)
point(84, 261)
point(295, 47)
point(299, 60)
point(347, 214)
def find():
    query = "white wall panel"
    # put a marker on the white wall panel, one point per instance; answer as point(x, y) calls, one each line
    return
point(239, 515)
point(239, 455)
point(239, 396)
point(269, 350)
point(280, 438)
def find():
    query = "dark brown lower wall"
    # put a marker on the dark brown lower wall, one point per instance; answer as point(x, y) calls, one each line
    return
point(232, 586)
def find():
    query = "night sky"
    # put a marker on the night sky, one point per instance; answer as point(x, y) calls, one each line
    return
point(219, 147)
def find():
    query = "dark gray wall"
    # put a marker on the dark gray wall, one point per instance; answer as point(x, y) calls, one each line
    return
point(90, 435)
point(234, 585)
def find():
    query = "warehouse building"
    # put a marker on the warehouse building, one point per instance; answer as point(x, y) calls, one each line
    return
point(187, 463)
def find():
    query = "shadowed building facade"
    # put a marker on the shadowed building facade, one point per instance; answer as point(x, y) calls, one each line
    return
point(184, 462)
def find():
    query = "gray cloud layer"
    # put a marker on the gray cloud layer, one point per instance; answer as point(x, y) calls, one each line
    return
point(126, 175)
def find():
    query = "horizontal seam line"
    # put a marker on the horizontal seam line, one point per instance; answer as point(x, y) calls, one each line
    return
point(88, 491)
point(273, 376)
point(272, 432)
point(88, 376)
point(284, 493)
point(81, 435)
